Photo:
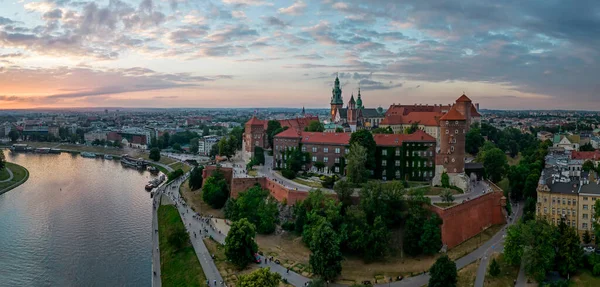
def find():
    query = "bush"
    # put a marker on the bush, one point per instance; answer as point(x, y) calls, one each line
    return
point(175, 174)
point(288, 226)
point(289, 174)
point(494, 268)
point(596, 270)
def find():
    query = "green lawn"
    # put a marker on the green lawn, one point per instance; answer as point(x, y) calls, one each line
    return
point(177, 267)
point(437, 190)
point(19, 173)
point(162, 169)
point(507, 274)
point(181, 165)
point(585, 279)
point(444, 204)
point(308, 183)
point(4, 174)
point(504, 184)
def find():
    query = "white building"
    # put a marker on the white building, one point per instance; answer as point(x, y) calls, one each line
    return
point(206, 143)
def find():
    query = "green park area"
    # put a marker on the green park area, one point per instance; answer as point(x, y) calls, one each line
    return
point(179, 265)
point(20, 175)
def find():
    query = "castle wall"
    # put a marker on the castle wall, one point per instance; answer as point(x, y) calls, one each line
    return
point(465, 220)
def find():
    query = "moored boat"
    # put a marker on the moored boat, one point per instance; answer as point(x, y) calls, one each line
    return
point(88, 154)
point(108, 156)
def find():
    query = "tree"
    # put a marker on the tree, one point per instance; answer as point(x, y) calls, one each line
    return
point(214, 151)
point(196, 178)
point(587, 238)
point(260, 278)
point(447, 196)
point(194, 145)
point(538, 241)
point(315, 126)
point(215, 190)
point(319, 165)
point(236, 138)
point(259, 155)
point(495, 164)
point(445, 180)
point(177, 147)
point(588, 165)
point(205, 131)
point(413, 229)
point(513, 246)
point(240, 246)
point(378, 240)
point(166, 137)
point(494, 268)
point(413, 128)
point(272, 127)
point(326, 258)
point(387, 130)
point(225, 148)
point(587, 147)
point(365, 139)
point(473, 140)
point(344, 191)
point(443, 273)
point(431, 239)
point(568, 250)
point(356, 159)
point(2, 160)
point(256, 205)
point(13, 135)
point(513, 148)
point(339, 130)
point(154, 154)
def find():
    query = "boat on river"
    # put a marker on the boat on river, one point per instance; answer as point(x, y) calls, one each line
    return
point(155, 182)
point(42, 150)
point(132, 162)
point(108, 156)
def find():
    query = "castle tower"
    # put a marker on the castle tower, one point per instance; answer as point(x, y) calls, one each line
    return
point(453, 130)
point(463, 106)
point(303, 112)
point(352, 113)
point(359, 103)
point(336, 98)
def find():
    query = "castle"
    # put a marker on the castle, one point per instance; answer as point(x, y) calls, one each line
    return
point(355, 115)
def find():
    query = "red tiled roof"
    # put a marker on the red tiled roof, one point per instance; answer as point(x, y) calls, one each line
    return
point(585, 155)
point(424, 118)
point(474, 112)
point(255, 122)
point(297, 123)
point(463, 98)
point(453, 115)
point(289, 133)
point(398, 139)
point(326, 138)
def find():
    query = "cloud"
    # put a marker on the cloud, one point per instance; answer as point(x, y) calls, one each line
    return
point(248, 2)
point(165, 97)
point(11, 55)
point(233, 33)
point(309, 57)
point(370, 85)
point(52, 15)
point(274, 21)
point(295, 9)
point(5, 21)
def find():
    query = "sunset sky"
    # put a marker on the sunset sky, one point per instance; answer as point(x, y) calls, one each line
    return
point(259, 53)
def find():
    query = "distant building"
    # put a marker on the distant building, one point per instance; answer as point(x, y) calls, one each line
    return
point(568, 142)
point(131, 137)
point(355, 115)
point(91, 136)
point(544, 135)
point(206, 143)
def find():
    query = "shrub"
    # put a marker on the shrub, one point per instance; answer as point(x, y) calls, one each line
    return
point(289, 174)
point(288, 226)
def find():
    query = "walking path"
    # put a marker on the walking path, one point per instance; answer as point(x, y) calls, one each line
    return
point(168, 168)
point(10, 174)
point(481, 270)
point(155, 245)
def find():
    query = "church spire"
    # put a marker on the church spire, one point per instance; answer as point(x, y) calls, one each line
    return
point(336, 93)
point(303, 111)
point(359, 103)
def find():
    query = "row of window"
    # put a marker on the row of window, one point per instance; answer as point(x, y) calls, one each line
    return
point(455, 131)
point(568, 222)
point(326, 149)
point(398, 175)
point(565, 211)
point(384, 152)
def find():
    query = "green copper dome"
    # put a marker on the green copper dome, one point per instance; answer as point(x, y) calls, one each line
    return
point(359, 103)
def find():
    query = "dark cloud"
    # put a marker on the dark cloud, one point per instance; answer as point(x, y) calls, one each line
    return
point(309, 57)
point(275, 22)
point(11, 55)
point(52, 15)
point(370, 85)
point(6, 21)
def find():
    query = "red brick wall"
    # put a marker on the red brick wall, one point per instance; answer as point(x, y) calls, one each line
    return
point(241, 184)
point(208, 171)
point(468, 219)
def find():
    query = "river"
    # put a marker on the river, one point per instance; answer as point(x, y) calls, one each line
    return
point(75, 222)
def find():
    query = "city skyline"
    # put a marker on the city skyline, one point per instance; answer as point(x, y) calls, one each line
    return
point(252, 53)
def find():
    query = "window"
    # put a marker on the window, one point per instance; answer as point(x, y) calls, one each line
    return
point(325, 149)
point(569, 202)
point(553, 200)
point(407, 164)
point(337, 169)
point(397, 152)
point(430, 153)
point(564, 211)
point(314, 149)
point(585, 207)
point(314, 159)
point(452, 148)
point(584, 216)
point(564, 201)
point(303, 148)
point(397, 174)
point(585, 198)
point(584, 225)
point(553, 211)
point(325, 159)
point(397, 163)
point(456, 131)
point(383, 173)
point(573, 212)
point(384, 152)
point(456, 122)
point(447, 131)
point(337, 160)
point(453, 160)
point(346, 151)
point(384, 162)
point(337, 150)
point(545, 210)
point(553, 221)
point(573, 223)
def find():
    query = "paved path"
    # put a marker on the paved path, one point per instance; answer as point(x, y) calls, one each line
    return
point(481, 270)
point(10, 174)
point(155, 246)
point(168, 168)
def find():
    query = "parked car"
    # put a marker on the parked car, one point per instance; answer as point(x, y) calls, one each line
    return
point(256, 258)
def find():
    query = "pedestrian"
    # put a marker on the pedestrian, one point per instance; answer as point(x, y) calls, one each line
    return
point(287, 271)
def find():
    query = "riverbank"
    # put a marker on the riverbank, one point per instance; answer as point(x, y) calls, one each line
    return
point(19, 176)
point(178, 266)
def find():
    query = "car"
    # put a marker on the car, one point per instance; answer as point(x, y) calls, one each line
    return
point(256, 258)
point(589, 249)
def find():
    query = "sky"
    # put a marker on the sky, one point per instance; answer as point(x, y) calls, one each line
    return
point(510, 54)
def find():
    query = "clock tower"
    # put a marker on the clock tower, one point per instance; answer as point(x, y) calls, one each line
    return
point(336, 98)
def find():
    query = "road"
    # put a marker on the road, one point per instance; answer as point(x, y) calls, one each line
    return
point(155, 246)
point(499, 247)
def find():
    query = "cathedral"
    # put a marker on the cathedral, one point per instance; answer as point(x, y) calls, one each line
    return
point(355, 115)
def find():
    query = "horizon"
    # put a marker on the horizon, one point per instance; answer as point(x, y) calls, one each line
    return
point(251, 53)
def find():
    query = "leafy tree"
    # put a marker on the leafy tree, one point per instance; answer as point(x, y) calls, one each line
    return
point(587, 238)
point(385, 200)
point(568, 250)
point(177, 147)
point(166, 137)
point(445, 180)
point(587, 147)
point(538, 239)
point(154, 154)
point(178, 237)
point(2, 160)
point(339, 130)
point(262, 277)
point(387, 130)
point(225, 148)
point(259, 155)
point(13, 135)
point(205, 131)
point(194, 145)
point(326, 258)
point(295, 159)
point(431, 239)
point(588, 165)
point(256, 205)
point(240, 246)
point(315, 126)
point(443, 273)
point(319, 282)
point(473, 140)
point(215, 190)
point(236, 138)
point(196, 178)
point(447, 196)
point(272, 127)
point(494, 268)
point(413, 128)
point(413, 229)
point(365, 139)
point(344, 191)
point(175, 174)
point(495, 164)
point(214, 151)
point(356, 169)
point(378, 240)
point(513, 147)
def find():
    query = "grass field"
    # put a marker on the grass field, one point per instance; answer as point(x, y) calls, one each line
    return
point(194, 199)
point(437, 190)
point(585, 279)
point(466, 276)
point(308, 183)
point(504, 184)
point(19, 173)
point(228, 271)
point(507, 275)
point(444, 204)
point(181, 165)
point(474, 242)
point(4, 175)
point(178, 267)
